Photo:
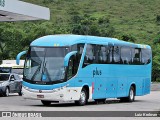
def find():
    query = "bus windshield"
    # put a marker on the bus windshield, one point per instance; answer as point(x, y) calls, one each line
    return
point(45, 64)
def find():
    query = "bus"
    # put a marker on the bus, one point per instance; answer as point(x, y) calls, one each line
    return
point(81, 68)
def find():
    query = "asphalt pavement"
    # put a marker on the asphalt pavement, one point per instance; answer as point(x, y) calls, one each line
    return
point(150, 102)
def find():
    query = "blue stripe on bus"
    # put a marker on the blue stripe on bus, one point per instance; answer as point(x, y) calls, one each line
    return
point(43, 87)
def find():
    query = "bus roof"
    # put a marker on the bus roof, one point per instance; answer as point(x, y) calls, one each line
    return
point(69, 39)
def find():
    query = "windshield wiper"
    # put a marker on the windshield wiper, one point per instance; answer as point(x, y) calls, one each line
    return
point(38, 69)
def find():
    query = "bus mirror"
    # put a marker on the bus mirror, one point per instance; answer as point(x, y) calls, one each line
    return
point(19, 56)
point(67, 57)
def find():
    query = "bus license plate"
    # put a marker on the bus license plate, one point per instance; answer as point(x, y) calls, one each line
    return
point(40, 96)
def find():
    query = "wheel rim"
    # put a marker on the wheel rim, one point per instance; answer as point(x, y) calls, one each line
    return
point(7, 92)
point(131, 94)
point(82, 97)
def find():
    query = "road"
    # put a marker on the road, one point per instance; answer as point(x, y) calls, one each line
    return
point(149, 102)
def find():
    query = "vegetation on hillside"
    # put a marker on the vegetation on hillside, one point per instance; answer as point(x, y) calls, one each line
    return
point(130, 20)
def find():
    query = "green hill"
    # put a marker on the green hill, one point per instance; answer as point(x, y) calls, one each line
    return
point(137, 18)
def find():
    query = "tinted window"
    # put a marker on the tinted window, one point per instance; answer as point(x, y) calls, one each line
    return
point(136, 55)
point(78, 47)
point(90, 55)
point(116, 54)
point(45, 65)
point(74, 60)
point(70, 72)
point(126, 55)
point(146, 56)
point(102, 54)
point(54, 62)
point(110, 54)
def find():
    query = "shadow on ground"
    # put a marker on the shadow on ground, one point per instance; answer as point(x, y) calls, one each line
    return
point(88, 104)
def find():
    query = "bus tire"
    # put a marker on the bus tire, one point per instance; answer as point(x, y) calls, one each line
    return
point(46, 103)
point(131, 96)
point(6, 93)
point(83, 98)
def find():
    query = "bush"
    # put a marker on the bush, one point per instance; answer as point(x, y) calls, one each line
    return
point(157, 39)
point(128, 37)
point(158, 18)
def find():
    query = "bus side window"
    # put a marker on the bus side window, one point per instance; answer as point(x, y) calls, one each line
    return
point(116, 54)
point(126, 55)
point(75, 60)
point(136, 56)
point(102, 54)
point(146, 58)
point(70, 68)
point(90, 55)
point(109, 55)
point(79, 49)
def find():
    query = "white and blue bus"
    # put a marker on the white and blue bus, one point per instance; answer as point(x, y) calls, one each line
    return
point(81, 68)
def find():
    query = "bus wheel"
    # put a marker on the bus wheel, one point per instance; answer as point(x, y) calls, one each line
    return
point(83, 98)
point(46, 103)
point(131, 95)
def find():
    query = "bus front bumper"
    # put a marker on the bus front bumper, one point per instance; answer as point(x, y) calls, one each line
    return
point(65, 94)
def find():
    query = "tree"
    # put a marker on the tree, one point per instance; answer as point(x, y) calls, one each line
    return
point(87, 25)
point(127, 37)
point(156, 58)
